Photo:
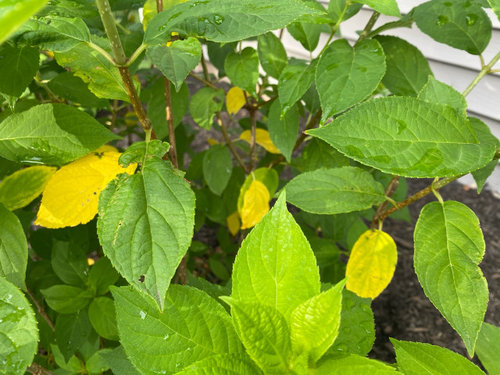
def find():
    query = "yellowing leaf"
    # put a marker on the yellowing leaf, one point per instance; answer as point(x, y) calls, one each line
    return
point(235, 100)
point(371, 264)
point(72, 194)
point(212, 141)
point(262, 138)
point(255, 204)
point(22, 187)
point(233, 223)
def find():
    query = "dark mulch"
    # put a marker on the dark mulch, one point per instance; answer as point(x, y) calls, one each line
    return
point(402, 311)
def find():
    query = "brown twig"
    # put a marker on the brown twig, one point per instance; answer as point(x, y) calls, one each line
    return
point(253, 137)
point(389, 192)
point(230, 143)
point(36, 369)
point(41, 309)
point(204, 81)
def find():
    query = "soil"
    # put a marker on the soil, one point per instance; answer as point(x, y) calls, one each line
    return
point(403, 311)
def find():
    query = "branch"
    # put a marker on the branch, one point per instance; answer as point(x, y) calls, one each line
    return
point(389, 192)
point(204, 81)
point(41, 309)
point(484, 71)
point(230, 143)
point(36, 369)
point(369, 26)
point(253, 136)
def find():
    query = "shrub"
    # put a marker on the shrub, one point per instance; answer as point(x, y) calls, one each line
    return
point(148, 255)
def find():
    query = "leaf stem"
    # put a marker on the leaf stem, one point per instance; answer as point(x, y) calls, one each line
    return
point(103, 52)
point(136, 54)
point(204, 81)
point(230, 143)
point(369, 26)
point(253, 136)
point(41, 309)
point(389, 192)
point(120, 58)
point(484, 71)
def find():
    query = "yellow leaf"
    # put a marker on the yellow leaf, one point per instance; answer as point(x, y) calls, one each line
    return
point(235, 100)
point(262, 138)
point(90, 261)
point(23, 186)
point(72, 194)
point(212, 141)
point(173, 33)
point(371, 264)
point(233, 223)
point(255, 204)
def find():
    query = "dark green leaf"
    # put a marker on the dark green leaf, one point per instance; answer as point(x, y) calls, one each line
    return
point(217, 168)
point(462, 24)
point(72, 332)
point(69, 263)
point(18, 66)
point(102, 315)
point(346, 75)
point(102, 275)
point(398, 135)
point(68, 86)
point(119, 362)
point(306, 33)
point(407, 68)
point(283, 130)
point(51, 134)
point(66, 299)
point(272, 54)
point(294, 81)
point(243, 69)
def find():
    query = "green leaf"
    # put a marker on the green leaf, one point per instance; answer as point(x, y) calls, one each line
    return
point(18, 66)
point(13, 13)
point(389, 7)
point(353, 364)
point(138, 152)
point(176, 60)
point(275, 265)
point(416, 358)
point(119, 362)
point(357, 326)
point(407, 68)
point(272, 54)
point(318, 154)
point(488, 347)
point(243, 69)
point(294, 81)
point(342, 10)
point(102, 275)
point(18, 329)
point(283, 130)
point(461, 24)
point(306, 33)
point(66, 299)
point(481, 175)
point(192, 326)
point(102, 77)
point(97, 363)
point(13, 248)
point(346, 75)
point(222, 364)
point(68, 86)
point(449, 243)
point(204, 104)
point(495, 6)
point(398, 135)
point(145, 225)
point(315, 323)
point(51, 134)
point(217, 168)
point(72, 332)
point(58, 34)
point(265, 334)
point(69, 263)
point(73, 366)
point(224, 20)
point(334, 191)
point(102, 315)
point(435, 91)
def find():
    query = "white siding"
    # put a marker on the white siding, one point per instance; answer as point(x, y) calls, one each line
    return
point(452, 66)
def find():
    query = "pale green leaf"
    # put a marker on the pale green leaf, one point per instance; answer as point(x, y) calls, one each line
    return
point(51, 134)
point(449, 245)
point(192, 326)
point(275, 265)
point(176, 60)
point(204, 104)
point(18, 329)
point(145, 225)
point(488, 347)
point(13, 248)
point(272, 54)
point(398, 135)
point(334, 191)
point(222, 364)
point(294, 81)
point(22, 187)
point(306, 33)
point(342, 9)
point(318, 154)
point(315, 323)
point(97, 363)
point(138, 152)
point(462, 24)
point(283, 131)
point(217, 168)
point(353, 364)
point(265, 334)
point(243, 69)
point(346, 75)
point(435, 91)
point(407, 68)
point(102, 315)
point(18, 66)
point(389, 7)
point(495, 6)
point(13, 13)
point(416, 358)
point(225, 20)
